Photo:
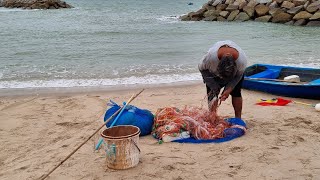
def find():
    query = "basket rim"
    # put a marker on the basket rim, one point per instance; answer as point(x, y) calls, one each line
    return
point(121, 137)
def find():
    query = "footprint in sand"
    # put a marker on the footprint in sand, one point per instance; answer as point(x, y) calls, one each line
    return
point(23, 167)
point(175, 150)
point(281, 140)
point(157, 95)
point(251, 124)
point(178, 178)
point(155, 158)
point(1, 162)
point(298, 122)
point(305, 162)
point(187, 163)
point(70, 103)
point(16, 104)
point(274, 147)
point(237, 149)
point(268, 158)
point(298, 138)
point(73, 124)
point(169, 167)
point(60, 138)
point(316, 129)
point(234, 170)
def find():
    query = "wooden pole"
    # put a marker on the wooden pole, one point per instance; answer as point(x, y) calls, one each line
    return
point(131, 99)
point(297, 102)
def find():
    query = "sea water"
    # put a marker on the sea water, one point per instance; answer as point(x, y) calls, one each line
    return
point(104, 43)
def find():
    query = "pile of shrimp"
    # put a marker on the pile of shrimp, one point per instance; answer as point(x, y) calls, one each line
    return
point(200, 123)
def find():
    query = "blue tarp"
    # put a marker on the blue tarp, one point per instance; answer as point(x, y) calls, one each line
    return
point(230, 133)
point(131, 115)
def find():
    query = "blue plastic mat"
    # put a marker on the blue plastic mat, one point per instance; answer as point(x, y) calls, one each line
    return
point(230, 133)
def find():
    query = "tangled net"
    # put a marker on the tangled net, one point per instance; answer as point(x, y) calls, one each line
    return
point(200, 123)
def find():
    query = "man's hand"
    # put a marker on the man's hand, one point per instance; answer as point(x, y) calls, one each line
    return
point(213, 105)
point(225, 94)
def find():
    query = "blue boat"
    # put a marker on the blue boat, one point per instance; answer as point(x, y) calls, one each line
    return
point(270, 79)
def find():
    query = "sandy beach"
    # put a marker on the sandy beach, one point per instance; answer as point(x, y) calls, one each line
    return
point(38, 131)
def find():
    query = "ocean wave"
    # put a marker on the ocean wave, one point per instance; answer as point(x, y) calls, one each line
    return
point(169, 19)
point(65, 83)
point(2, 9)
point(305, 65)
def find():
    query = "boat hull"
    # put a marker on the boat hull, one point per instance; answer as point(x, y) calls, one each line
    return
point(309, 90)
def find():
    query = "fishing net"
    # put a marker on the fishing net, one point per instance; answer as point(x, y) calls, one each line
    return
point(200, 123)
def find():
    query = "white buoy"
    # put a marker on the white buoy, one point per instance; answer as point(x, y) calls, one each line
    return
point(292, 78)
point(317, 107)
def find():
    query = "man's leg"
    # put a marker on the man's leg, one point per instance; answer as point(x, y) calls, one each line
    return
point(237, 99)
point(237, 106)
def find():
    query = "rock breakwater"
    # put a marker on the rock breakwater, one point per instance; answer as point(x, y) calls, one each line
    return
point(291, 12)
point(34, 4)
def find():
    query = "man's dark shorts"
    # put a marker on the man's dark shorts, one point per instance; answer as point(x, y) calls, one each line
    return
point(215, 83)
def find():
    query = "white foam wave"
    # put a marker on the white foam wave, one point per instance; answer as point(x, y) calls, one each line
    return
point(309, 62)
point(307, 65)
point(63, 83)
point(2, 9)
point(169, 19)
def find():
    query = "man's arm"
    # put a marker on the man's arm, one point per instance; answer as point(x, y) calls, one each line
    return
point(234, 81)
point(230, 86)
